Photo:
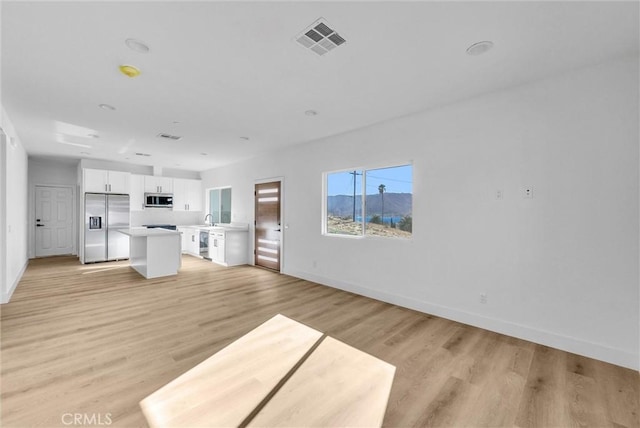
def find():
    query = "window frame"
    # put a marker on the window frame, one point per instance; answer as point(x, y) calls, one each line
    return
point(363, 170)
point(208, 202)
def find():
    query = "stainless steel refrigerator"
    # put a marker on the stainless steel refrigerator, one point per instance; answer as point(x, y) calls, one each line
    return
point(104, 214)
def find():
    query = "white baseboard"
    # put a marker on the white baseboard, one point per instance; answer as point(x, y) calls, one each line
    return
point(7, 295)
point(597, 351)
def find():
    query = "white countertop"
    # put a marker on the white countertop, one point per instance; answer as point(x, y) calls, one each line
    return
point(238, 227)
point(139, 232)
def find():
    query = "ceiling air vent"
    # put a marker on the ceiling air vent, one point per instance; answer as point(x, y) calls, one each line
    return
point(169, 136)
point(319, 37)
point(142, 154)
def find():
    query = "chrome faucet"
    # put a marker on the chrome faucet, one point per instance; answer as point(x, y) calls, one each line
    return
point(205, 219)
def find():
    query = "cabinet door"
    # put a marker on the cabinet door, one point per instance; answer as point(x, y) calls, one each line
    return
point(136, 191)
point(222, 254)
point(180, 195)
point(119, 182)
point(95, 180)
point(183, 236)
point(166, 184)
point(153, 184)
point(194, 192)
point(193, 242)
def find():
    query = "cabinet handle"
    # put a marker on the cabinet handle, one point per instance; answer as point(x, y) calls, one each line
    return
point(109, 187)
point(106, 189)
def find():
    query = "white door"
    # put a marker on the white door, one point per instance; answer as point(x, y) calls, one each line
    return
point(54, 221)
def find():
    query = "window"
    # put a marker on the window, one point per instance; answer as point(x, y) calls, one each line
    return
point(381, 197)
point(220, 205)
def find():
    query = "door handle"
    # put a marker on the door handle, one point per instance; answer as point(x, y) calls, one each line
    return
point(277, 230)
point(39, 225)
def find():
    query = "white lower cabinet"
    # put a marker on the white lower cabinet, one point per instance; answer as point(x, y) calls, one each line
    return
point(228, 248)
point(190, 241)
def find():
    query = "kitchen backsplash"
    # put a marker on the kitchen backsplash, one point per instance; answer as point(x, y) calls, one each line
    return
point(166, 216)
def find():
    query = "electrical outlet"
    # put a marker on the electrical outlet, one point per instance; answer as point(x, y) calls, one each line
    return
point(527, 192)
point(499, 194)
point(483, 298)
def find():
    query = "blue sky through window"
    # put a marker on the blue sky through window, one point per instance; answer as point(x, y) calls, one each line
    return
point(396, 180)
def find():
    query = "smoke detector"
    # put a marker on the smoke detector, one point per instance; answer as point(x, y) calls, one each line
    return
point(319, 37)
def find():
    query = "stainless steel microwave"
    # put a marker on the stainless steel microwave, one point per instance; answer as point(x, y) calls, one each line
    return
point(158, 200)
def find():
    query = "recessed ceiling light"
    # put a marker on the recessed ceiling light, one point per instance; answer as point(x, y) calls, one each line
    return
point(204, 154)
point(93, 136)
point(479, 48)
point(129, 70)
point(311, 112)
point(175, 122)
point(244, 138)
point(106, 107)
point(137, 45)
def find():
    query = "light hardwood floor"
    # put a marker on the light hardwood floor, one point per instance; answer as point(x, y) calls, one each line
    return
point(96, 339)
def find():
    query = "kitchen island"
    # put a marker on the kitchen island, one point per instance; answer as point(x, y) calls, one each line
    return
point(154, 253)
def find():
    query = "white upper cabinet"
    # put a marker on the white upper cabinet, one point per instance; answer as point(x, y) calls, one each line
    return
point(103, 181)
point(137, 192)
point(119, 182)
point(155, 184)
point(187, 195)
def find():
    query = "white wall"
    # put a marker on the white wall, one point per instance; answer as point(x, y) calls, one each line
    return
point(50, 172)
point(138, 169)
point(164, 216)
point(559, 269)
point(14, 214)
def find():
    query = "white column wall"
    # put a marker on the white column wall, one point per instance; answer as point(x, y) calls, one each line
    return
point(14, 206)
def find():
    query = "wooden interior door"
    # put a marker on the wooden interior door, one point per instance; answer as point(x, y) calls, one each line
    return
point(268, 226)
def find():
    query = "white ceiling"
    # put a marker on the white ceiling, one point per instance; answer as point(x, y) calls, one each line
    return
point(227, 70)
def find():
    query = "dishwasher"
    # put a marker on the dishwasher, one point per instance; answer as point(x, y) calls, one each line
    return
point(204, 245)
